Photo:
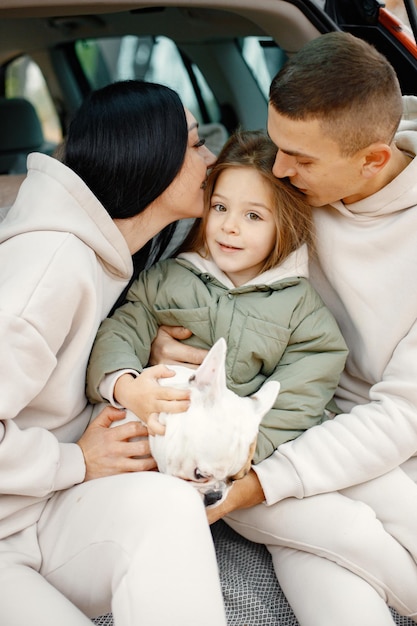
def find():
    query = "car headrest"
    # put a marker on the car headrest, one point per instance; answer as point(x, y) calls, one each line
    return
point(20, 133)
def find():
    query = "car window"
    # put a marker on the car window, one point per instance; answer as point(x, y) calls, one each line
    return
point(154, 59)
point(264, 58)
point(24, 79)
point(397, 8)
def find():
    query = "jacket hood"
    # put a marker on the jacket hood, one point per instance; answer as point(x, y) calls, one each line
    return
point(53, 198)
point(400, 193)
point(296, 264)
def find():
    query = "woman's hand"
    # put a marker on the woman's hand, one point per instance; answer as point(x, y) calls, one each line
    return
point(146, 398)
point(108, 451)
point(167, 348)
point(243, 494)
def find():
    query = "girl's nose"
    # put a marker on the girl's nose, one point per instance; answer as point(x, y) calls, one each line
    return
point(229, 224)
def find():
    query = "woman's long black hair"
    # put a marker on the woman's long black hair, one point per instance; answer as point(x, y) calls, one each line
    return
point(127, 142)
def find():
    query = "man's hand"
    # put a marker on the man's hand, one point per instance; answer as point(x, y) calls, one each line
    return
point(167, 348)
point(108, 451)
point(243, 494)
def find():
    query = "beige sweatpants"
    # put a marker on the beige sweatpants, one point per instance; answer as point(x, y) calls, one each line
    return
point(343, 557)
point(137, 544)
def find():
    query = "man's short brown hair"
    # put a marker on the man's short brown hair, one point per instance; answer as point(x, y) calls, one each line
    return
point(344, 83)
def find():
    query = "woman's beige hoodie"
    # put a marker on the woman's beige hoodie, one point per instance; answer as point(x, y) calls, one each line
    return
point(367, 275)
point(63, 264)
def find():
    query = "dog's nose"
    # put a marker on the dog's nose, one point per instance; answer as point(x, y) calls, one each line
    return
point(211, 497)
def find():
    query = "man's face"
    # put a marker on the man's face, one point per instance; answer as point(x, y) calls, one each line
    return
point(313, 163)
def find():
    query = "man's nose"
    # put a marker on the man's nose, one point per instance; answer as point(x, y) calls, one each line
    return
point(284, 165)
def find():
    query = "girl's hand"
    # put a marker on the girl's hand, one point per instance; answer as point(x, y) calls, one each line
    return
point(154, 425)
point(144, 396)
point(108, 451)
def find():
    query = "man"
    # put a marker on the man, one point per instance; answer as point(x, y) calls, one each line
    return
point(341, 499)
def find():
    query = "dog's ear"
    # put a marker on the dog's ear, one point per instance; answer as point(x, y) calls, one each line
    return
point(212, 373)
point(265, 397)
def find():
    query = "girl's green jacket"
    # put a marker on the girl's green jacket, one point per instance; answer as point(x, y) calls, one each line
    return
point(276, 328)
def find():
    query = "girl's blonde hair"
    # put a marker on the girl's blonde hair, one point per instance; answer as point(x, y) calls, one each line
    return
point(292, 215)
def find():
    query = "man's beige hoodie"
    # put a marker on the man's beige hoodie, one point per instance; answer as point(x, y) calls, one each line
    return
point(367, 275)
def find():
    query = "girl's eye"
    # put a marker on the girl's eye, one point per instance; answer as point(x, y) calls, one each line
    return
point(218, 207)
point(200, 143)
point(254, 217)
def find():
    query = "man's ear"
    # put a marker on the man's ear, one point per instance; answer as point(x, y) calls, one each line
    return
point(375, 157)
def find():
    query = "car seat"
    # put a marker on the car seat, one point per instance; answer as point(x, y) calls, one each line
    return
point(20, 133)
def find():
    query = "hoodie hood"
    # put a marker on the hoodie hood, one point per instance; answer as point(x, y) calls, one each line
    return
point(68, 206)
point(400, 193)
point(409, 118)
point(296, 264)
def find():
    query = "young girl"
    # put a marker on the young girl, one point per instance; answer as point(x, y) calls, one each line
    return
point(242, 274)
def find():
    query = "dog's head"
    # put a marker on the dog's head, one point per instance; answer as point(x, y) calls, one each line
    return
point(213, 442)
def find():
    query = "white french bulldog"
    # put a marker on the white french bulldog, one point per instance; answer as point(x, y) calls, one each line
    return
point(212, 443)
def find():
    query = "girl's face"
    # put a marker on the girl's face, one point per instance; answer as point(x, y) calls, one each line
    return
point(240, 230)
point(185, 195)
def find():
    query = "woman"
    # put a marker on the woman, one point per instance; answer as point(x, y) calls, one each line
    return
point(72, 547)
